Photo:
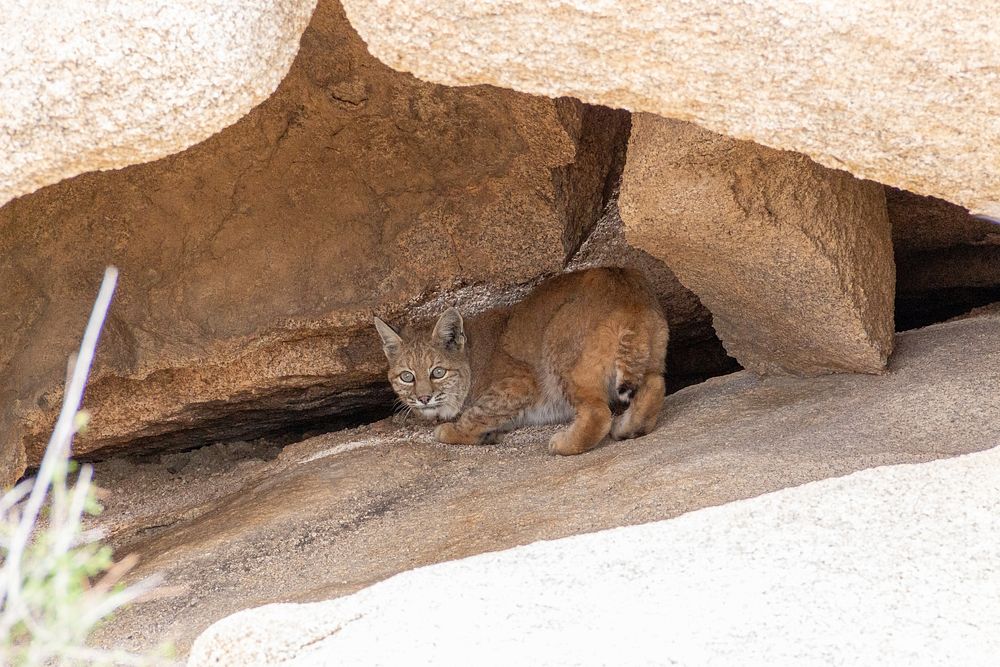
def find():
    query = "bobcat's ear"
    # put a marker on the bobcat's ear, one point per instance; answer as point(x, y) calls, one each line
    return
point(449, 332)
point(391, 341)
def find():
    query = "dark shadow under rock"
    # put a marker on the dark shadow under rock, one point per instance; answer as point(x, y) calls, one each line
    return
point(947, 261)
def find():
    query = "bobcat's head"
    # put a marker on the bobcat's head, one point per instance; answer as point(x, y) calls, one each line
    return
point(429, 372)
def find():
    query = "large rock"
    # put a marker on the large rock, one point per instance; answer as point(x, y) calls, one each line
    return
point(252, 262)
point(90, 85)
point(900, 93)
point(338, 512)
point(897, 563)
point(794, 260)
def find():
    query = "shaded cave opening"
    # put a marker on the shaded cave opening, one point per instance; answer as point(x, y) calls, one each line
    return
point(915, 311)
point(947, 260)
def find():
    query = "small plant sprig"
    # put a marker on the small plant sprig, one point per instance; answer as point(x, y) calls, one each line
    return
point(58, 581)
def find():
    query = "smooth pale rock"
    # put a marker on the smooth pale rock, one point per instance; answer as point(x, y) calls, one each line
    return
point(336, 513)
point(893, 91)
point(251, 263)
point(102, 85)
point(794, 260)
point(896, 565)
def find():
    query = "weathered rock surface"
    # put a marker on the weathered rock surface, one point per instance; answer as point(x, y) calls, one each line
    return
point(947, 261)
point(336, 513)
point(794, 260)
point(799, 576)
point(252, 262)
point(98, 86)
point(900, 93)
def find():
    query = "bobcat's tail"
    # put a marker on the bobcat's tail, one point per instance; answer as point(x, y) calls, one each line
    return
point(631, 361)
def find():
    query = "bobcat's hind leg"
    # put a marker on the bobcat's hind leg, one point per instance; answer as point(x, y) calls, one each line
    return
point(500, 404)
point(587, 393)
point(643, 410)
point(592, 423)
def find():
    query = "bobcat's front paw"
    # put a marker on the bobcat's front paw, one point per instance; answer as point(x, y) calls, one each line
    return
point(450, 434)
point(563, 445)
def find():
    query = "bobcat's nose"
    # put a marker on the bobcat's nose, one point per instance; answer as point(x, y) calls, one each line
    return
point(425, 399)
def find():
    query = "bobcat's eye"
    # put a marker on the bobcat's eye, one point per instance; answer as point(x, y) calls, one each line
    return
point(438, 373)
point(406, 376)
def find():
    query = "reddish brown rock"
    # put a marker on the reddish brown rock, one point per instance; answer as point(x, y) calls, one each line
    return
point(252, 262)
point(794, 260)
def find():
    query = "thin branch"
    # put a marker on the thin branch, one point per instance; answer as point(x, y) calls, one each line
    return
point(62, 435)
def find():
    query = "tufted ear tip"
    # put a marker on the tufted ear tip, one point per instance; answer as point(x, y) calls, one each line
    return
point(449, 332)
point(391, 341)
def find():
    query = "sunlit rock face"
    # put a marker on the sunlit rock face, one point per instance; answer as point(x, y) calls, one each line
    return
point(89, 85)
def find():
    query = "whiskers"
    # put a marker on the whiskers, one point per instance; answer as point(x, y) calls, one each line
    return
point(401, 411)
point(444, 401)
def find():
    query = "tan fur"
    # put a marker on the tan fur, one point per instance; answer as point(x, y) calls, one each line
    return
point(581, 345)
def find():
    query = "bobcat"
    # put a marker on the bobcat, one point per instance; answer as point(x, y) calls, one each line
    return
point(587, 347)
